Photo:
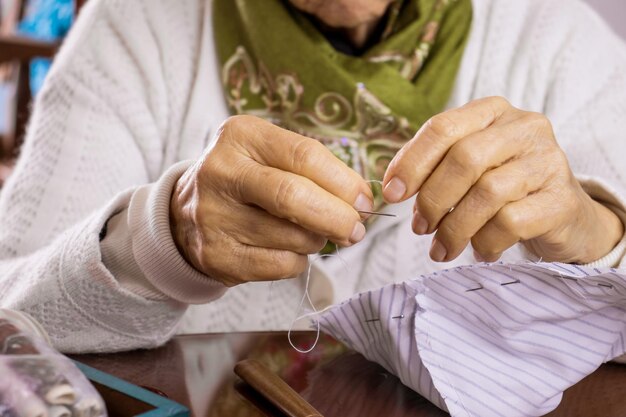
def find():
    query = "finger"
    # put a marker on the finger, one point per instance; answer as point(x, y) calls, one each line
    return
point(288, 151)
point(299, 200)
point(516, 222)
point(464, 164)
point(419, 157)
point(495, 189)
point(256, 264)
point(255, 227)
point(479, 258)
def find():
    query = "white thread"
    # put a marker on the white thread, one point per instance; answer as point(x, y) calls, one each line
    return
point(306, 296)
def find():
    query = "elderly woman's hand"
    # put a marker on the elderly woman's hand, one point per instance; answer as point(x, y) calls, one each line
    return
point(494, 175)
point(261, 200)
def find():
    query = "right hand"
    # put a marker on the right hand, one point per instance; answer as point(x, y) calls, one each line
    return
point(263, 198)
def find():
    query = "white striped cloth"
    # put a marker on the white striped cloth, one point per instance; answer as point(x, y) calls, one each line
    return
point(490, 339)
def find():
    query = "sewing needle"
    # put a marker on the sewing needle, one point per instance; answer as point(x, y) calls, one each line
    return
point(377, 213)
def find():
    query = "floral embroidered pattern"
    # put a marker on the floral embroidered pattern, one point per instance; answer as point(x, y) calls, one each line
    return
point(364, 132)
point(411, 64)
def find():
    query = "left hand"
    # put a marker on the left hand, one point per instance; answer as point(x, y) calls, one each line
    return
point(495, 175)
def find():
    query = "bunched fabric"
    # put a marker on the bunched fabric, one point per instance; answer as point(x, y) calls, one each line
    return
point(490, 339)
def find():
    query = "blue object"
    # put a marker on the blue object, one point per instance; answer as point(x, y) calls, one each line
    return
point(46, 20)
point(163, 407)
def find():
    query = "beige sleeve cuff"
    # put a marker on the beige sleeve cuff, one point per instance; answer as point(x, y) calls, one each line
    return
point(140, 252)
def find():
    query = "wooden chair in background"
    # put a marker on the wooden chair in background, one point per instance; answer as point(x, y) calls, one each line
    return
point(16, 53)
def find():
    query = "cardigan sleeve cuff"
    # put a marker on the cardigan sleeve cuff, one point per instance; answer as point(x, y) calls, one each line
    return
point(154, 247)
point(141, 252)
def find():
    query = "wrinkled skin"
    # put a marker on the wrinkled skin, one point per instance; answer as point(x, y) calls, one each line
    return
point(344, 13)
point(493, 175)
point(263, 198)
point(356, 19)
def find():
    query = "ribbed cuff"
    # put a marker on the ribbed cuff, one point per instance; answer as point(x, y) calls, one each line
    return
point(118, 257)
point(613, 258)
point(154, 248)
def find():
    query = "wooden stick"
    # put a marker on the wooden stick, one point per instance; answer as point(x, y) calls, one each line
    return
point(274, 389)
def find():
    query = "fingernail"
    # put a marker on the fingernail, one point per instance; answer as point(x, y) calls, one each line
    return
point(363, 203)
point(394, 191)
point(420, 224)
point(357, 233)
point(438, 252)
point(478, 257)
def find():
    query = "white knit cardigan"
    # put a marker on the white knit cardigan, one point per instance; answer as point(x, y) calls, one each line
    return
point(136, 89)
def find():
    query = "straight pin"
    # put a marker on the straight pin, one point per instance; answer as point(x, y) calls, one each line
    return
point(377, 213)
point(565, 277)
point(517, 281)
point(601, 284)
point(370, 320)
point(401, 316)
point(475, 289)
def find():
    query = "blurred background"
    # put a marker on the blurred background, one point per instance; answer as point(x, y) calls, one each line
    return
point(614, 11)
point(31, 31)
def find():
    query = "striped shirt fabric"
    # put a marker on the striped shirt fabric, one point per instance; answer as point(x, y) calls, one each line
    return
point(489, 339)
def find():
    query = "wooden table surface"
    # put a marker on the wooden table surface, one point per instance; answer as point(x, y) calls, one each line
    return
point(196, 370)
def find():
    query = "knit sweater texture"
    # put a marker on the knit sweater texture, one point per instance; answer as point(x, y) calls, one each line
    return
point(134, 96)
